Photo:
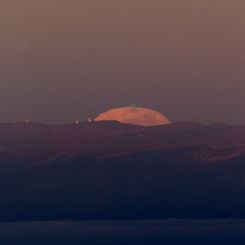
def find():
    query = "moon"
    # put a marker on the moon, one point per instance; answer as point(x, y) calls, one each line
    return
point(134, 115)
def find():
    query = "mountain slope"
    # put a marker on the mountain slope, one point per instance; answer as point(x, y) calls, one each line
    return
point(111, 170)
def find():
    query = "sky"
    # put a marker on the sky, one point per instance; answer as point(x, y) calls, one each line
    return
point(63, 60)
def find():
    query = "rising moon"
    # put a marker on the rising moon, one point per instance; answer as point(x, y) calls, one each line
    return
point(134, 115)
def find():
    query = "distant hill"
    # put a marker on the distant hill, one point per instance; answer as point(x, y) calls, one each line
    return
point(109, 170)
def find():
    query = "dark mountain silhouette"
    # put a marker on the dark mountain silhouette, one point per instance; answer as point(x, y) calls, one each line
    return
point(109, 170)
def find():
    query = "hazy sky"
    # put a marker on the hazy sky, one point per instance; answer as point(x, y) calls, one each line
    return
point(62, 60)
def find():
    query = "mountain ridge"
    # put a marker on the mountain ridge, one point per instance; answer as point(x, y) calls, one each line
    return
point(111, 138)
point(109, 170)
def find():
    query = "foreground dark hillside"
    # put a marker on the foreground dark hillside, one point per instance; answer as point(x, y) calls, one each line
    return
point(124, 232)
point(108, 170)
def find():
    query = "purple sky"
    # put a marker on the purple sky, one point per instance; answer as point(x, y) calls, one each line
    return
point(62, 60)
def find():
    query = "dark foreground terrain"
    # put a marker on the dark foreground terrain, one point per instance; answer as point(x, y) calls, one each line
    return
point(108, 170)
point(151, 232)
